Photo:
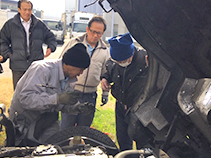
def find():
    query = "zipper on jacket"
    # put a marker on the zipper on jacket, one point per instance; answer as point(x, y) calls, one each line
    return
point(88, 69)
point(124, 72)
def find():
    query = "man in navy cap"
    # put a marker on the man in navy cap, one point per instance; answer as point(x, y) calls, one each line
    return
point(126, 70)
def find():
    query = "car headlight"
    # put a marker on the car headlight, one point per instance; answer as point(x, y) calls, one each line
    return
point(195, 95)
point(202, 97)
point(185, 96)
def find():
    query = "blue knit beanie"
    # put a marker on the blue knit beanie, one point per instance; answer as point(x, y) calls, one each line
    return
point(121, 47)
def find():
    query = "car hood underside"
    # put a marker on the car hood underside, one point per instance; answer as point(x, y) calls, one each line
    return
point(177, 33)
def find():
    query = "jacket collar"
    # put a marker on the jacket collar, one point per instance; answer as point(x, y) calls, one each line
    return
point(17, 20)
point(101, 44)
point(61, 72)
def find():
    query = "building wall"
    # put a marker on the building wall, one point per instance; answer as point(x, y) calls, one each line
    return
point(94, 8)
point(3, 18)
point(115, 25)
point(70, 6)
point(9, 4)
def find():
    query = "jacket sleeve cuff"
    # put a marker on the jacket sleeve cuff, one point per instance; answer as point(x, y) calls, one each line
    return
point(52, 48)
point(53, 99)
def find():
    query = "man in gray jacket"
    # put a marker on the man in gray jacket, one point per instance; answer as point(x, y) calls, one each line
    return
point(45, 89)
point(22, 38)
point(88, 81)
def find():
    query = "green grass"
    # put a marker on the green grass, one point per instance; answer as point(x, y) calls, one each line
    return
point(104, 119)
point(105, 122)
point(6, 90)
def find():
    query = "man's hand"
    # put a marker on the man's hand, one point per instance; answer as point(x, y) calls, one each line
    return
point(83, 108)
point(1, 58)
point(105, 85)
point(104, 99)
point(48, 52)
point(67, 98)
point(86, 108)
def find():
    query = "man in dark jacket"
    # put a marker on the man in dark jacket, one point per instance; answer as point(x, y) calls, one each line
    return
point(22, 38)
point(127, 71)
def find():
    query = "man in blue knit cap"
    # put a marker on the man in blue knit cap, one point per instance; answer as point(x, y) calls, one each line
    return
point(126, 70)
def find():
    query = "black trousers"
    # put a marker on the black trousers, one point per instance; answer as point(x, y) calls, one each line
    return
point(16, 75)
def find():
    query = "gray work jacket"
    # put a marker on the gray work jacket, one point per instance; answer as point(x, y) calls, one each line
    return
point(36, 91)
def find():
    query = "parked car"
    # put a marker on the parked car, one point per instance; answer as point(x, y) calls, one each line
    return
point(79, 23)
point(57, 27)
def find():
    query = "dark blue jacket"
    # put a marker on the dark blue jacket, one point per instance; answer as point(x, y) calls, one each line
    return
point(128, 82)
point(14, 46)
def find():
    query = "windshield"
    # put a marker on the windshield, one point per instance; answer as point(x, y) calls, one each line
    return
point(79, 27)
point(53, 25)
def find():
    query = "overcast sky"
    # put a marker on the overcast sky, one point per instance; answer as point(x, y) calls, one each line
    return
point(51, 8)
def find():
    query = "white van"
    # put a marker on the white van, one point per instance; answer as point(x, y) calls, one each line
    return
point(57, 27)
point(80, 22)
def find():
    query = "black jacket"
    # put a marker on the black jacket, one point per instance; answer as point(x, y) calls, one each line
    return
point(127, 82)
point(14, 46)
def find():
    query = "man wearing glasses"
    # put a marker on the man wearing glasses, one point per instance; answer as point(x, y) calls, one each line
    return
point(89, 80)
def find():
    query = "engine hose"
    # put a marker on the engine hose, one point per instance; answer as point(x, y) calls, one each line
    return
point(133, 153)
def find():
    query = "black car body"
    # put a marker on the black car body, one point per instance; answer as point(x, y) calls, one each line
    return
point(173, 111)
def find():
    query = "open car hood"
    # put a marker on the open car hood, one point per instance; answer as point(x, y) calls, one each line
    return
point(177, 36)
point(177, 33)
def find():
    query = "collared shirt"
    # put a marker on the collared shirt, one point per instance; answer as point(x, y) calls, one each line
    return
point(26, 25)
point(64, 82)
point(90, 48)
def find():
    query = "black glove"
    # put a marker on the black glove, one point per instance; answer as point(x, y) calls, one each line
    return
point(84, 108)
point(104, 99)
point(1, 69)
point(66, 98)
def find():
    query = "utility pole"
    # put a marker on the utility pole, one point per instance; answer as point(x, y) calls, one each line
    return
point(112, 24)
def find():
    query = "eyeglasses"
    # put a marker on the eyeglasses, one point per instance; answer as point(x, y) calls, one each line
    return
point(96, 32)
